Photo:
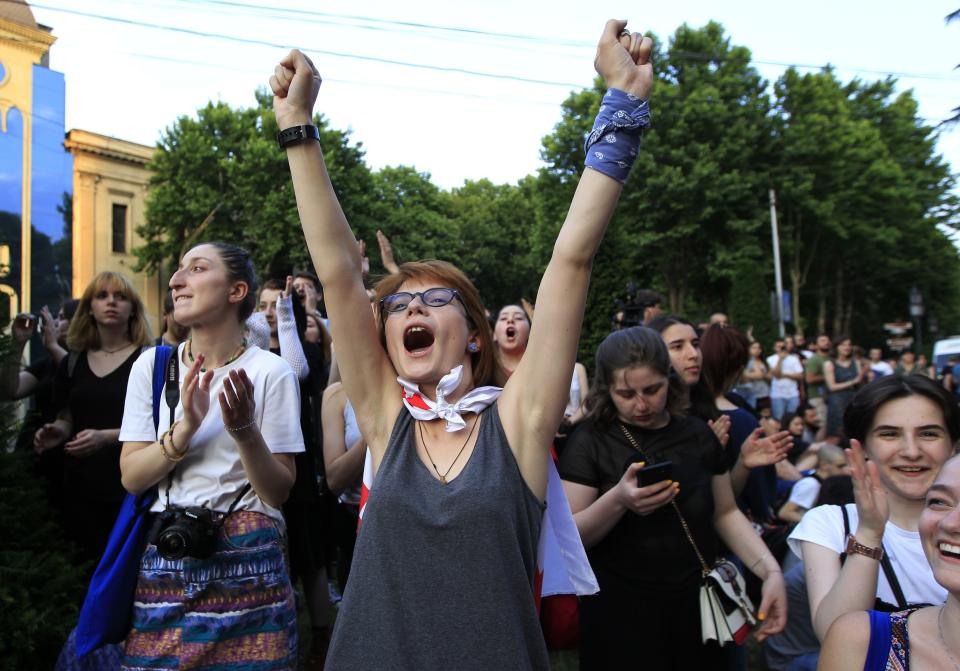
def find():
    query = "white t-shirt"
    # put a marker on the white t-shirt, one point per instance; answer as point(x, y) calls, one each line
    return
point(805, 492)
point(783, 387)
point(211, 474)
point(881, 368)
point(576, 395)
point(824, 526)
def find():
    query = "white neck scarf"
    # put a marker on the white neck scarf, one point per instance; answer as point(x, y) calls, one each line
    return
point(424, 409)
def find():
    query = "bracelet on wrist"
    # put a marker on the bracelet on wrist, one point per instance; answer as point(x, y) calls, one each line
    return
point(855, 547)
point(235, 429)
point(171, 455)
point(297, 134)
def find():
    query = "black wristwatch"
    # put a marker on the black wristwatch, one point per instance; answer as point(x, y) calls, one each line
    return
point(296, 134)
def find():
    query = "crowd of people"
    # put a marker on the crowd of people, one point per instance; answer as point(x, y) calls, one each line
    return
point(823, 481)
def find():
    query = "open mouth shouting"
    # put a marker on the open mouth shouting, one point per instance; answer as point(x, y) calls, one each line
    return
point(511, 331)
point(417, 340)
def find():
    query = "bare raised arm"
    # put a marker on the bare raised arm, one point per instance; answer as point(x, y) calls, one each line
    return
point(367, 373)
point(534, 398)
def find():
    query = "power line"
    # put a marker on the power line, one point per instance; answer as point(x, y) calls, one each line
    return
point(327, 52)
point(300, 14)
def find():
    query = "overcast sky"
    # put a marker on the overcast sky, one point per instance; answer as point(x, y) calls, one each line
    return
point(132, 81)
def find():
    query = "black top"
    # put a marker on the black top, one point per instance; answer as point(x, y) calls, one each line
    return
point(651, 553)
point(94, 403)
point(305, 485)
point(44, 407)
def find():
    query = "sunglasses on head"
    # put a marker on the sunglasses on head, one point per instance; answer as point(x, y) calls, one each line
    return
point(433, 298)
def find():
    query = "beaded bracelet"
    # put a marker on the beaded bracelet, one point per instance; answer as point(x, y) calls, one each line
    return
point(234, 429)
point(617, 130)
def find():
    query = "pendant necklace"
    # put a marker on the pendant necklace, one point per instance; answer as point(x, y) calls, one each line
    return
point(236, 355)
point(443, 476)
point(943, 640)
point(114, 351)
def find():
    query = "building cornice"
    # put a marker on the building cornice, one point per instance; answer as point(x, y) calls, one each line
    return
point(25, 38)
point(87, 142)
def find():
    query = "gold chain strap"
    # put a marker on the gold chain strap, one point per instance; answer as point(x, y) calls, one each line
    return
point(683, 522)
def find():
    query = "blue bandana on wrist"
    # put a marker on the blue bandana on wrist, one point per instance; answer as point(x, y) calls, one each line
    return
point(611, 146)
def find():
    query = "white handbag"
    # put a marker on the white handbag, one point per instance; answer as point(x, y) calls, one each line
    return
point(726, 612)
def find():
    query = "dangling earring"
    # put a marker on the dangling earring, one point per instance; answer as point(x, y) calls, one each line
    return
point(473, 347)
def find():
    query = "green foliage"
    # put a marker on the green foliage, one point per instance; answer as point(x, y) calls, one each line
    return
point(864, 202)
point(227, 160)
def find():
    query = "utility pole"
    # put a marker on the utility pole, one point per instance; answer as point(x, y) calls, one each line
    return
point(775, 235)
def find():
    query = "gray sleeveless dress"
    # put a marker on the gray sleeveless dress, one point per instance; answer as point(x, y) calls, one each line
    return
point(442, 575)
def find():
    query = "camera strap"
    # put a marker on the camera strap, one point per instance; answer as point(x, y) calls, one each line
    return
point(172, 395)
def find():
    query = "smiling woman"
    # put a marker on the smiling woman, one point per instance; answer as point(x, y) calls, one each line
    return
point(875, 641)
point(902, 430)
point(213, 588)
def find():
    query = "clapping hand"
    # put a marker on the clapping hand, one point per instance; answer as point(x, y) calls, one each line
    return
point(196, 395)
point(873, 510)
point(51, 328)
point(47, 437)
point(766, 451)
point(721, 428)
point(236, 401)
point(86, 443)
point(623, 59)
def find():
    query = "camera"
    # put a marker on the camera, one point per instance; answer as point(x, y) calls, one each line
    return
point(185, 532)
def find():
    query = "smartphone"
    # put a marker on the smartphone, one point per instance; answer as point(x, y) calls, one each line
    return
point(654, 473)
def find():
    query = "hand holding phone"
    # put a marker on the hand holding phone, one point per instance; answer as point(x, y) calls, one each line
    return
point(654, 473)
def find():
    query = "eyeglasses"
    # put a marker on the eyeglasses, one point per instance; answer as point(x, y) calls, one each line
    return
point(436, 297)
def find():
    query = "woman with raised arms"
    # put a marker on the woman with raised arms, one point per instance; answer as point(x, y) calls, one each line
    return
point(444, 565)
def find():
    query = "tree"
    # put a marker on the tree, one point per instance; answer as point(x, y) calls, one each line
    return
point(225, 161)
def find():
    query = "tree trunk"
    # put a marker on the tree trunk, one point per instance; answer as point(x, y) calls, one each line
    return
point(848, 316)
point(838, 302)
point(822, 310)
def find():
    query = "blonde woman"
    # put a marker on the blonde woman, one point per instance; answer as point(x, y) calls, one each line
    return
point(106, 335)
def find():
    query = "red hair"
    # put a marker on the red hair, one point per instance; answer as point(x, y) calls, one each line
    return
point(486, 368)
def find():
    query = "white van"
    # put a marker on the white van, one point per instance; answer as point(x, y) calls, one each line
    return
point(943, 350)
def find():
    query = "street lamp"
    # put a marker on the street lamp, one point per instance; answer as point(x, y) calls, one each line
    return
point(916, 311)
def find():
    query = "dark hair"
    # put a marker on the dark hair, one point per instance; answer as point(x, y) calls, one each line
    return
point(647, 298)
point(837, 490)
point(631, 348)
point(661, 323)
point(299, 312)
point(859, 416)
point(306, 275)
point(836, 342)
point(69, 307)
point(168, 302)
point(239, 269)
point(726, 352)
point(789, 417)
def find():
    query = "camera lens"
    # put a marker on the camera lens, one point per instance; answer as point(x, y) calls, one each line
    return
point(172, 544)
